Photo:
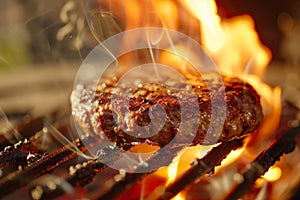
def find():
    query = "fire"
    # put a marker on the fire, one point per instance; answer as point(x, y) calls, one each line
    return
point(234, 155)
point(232, 43)
point(235, 47)
point(172, 173)
point(211, 31)
point(183, 159)
point(273, 174)
point(173, 168)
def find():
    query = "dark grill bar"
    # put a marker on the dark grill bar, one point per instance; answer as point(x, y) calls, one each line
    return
point(130, 179)
point(24, 176)
point(284, 144)
point(202, 166)
point(83, 175)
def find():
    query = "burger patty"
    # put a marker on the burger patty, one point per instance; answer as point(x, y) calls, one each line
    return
point(195, 111)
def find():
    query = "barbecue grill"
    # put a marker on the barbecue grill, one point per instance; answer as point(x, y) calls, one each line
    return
point(42, 156)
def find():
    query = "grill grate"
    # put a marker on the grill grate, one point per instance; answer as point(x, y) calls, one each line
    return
point(84, 170)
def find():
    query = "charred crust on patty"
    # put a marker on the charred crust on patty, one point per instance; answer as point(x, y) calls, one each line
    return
point(97, 111)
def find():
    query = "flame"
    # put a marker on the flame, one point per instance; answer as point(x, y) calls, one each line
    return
point(273, 174)
point(183, 160)
point(232, 156)
point(172, 173)
point(211, 31)
point(232, 43)
point(235, 47)
point(173, 169)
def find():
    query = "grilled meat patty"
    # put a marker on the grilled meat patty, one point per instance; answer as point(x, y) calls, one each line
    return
point(132, 113)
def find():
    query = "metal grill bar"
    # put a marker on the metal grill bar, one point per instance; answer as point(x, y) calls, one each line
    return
point(284, 143)
point(201, 167)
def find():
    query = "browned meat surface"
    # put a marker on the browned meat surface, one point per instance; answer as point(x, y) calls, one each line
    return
point(132, 113)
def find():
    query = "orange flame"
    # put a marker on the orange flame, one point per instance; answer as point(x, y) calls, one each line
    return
point(235, 47)
point(273, 174)
point(233, 44)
